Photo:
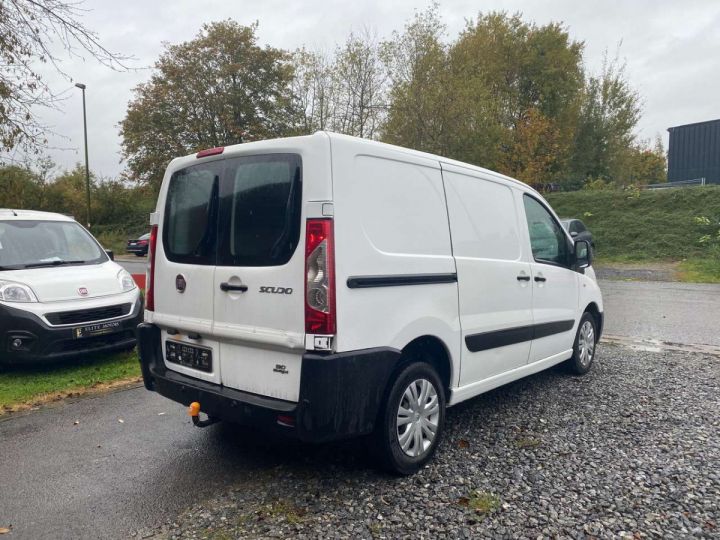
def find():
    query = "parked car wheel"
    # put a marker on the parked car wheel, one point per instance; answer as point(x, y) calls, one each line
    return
point(584, 346)
point(140, 254)
point(410, 426)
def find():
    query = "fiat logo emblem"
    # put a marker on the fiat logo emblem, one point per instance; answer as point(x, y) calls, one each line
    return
point(82, 291)
point(180, 283)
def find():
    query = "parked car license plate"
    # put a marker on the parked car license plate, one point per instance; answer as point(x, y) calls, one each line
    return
point(188, 355)
point(98, 329)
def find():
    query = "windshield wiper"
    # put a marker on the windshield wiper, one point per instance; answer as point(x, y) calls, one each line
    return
point(58, 262)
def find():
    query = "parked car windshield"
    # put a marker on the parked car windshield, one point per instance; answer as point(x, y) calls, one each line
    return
point(37, 244)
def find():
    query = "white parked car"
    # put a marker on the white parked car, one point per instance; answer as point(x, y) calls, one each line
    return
point(61, 295)
point(331, 287)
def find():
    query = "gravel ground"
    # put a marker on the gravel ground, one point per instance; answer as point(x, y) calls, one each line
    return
point(632, 450)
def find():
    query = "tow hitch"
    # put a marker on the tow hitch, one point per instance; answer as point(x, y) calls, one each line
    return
point(194, 412)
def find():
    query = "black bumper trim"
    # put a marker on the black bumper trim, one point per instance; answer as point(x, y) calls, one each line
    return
point(340, 394)
point(46, 343)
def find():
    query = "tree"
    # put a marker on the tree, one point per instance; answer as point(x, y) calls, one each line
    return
point(20, 188)
point(504, 95)
point(604, 138)
point(421, 113)
point(220, 88)
point(313, 90)
point(648, 164)
point(28, 28)
point(361, 87)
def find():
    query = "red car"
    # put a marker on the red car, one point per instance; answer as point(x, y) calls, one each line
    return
point(139, 246)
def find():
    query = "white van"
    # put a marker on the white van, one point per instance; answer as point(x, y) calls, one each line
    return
point(330, 287)
point(61, 295)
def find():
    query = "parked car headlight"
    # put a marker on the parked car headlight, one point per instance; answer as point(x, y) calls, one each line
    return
point(126, 280)
point(16, 292)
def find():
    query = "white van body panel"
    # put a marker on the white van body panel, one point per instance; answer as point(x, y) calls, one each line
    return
point(390, 219)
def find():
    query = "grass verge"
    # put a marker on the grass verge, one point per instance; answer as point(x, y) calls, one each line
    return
point(700, 271)
point(25, 388)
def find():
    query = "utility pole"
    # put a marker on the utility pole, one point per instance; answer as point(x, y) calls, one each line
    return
point(81, 86)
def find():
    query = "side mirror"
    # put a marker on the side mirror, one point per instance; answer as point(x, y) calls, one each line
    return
point(574, 234)
point(110, 253)
point(583, 254)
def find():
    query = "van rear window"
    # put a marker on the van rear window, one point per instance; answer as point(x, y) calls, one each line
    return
point(241, 211)
point(190, 230)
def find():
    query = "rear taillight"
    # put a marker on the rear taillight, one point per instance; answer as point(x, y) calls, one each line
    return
point(142, 242)
point(150, 279)
point(320, 277)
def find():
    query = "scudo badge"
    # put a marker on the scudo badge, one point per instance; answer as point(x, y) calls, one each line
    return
point(180, 283)
point(82, 291)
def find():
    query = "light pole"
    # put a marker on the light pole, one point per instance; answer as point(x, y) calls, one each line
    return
point(81, 86)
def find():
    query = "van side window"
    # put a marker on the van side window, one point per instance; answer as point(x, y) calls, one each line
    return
point(547, 238)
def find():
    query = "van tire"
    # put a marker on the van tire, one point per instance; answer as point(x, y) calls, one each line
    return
point(413, 379)
point(584, 346)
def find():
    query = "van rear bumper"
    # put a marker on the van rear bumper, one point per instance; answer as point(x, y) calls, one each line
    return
point(340, 394)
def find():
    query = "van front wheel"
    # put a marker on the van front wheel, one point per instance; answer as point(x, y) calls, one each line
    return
point(411, 424)
point(584, 346)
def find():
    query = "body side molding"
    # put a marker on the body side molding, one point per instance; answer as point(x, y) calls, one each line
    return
point(510, 336)
point(396, 280)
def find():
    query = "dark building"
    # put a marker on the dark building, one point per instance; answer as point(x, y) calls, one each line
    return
point(694, 152)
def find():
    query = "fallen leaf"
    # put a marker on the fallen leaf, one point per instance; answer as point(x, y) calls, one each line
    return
point(4, 530)
point(462, 443)
point(121, 420)
point(76, 422)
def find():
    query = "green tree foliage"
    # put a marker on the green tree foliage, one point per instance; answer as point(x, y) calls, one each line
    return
point(422, 113)
point(604, 141)
point(505, 94)
point(648, 164)
point(114, 204)
point(220, 88)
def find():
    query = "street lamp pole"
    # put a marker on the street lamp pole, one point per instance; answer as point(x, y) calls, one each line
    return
point(81, 86)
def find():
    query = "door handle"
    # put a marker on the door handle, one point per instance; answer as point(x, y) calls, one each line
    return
point(523, 278)
point(225, 286)
point(540, 279)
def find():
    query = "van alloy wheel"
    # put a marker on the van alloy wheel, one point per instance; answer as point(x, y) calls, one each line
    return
point(418, 416)
point(586, 343)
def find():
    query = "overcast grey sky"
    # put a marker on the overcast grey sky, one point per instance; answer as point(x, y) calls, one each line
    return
point(672, 50)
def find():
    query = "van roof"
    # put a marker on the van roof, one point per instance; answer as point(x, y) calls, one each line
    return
point(11, 214)
point(426, 155)
point(269, 144)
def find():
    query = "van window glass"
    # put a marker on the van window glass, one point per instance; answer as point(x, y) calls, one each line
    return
point(190, 214)
point(30, 243)
point(260, 210)
point(547, 238)
point(579, 227)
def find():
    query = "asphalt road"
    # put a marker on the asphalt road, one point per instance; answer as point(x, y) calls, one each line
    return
point(103, 478)
point(684, 313)
point(134, 265)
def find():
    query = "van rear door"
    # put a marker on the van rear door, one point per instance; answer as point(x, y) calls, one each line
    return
point(259, 278)
point(185, 264)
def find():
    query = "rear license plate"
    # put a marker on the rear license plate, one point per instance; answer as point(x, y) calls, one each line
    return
point(188, 355)
point(95, 329)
